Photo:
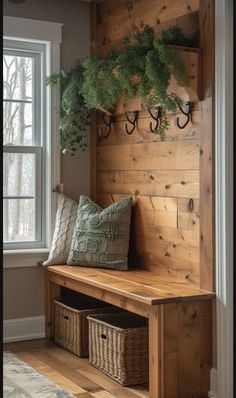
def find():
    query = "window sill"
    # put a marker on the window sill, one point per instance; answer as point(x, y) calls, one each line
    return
point(24, 258)
point(25, 251)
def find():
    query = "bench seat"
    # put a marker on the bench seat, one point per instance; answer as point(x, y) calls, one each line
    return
point(141, 286)
point(179, 318)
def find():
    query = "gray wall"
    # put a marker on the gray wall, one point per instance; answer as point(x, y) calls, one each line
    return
point(23, 287)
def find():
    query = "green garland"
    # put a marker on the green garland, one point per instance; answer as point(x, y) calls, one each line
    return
point(144, 69)
point(148, 59)
point(101, 89)
point(74, 119)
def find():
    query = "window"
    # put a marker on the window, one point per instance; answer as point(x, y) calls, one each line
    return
point(24, 145)
point(31, 151)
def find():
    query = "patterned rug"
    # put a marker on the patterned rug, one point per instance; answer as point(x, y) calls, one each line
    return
point(22, 381)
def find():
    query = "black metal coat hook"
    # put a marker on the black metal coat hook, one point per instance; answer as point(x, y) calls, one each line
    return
point(132, 121)
point(156, 117)
point(108, 124)
point(187, 113)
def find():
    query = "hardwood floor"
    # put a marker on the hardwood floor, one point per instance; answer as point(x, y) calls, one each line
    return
point(73, 374)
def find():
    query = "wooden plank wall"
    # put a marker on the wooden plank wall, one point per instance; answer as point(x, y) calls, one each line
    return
point(162, 177)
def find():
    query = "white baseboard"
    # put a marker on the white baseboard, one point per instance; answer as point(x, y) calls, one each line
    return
point(213, 390)
point(21, 329)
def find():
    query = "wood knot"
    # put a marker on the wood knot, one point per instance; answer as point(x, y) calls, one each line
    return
point(167, 254)
point(164, 7)
point(136, 192)
point(167, 186)
point(201, 152)
point(158, 21)
point(191, 204)
point(174, 245)
point(194, 315)
point(161, 237)
point(130, 6)
point(183, 182)
point(152, 177)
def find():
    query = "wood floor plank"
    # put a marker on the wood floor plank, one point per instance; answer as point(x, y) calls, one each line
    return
point(87, 376)
point(108, 384)
point(103, 394)
point(62, 368)
point(26, 345)
point(49, 372)
point(81, 367)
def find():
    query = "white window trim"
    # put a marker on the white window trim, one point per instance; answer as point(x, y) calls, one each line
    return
point(50, 34)
point(224, 195)
point(37, 52)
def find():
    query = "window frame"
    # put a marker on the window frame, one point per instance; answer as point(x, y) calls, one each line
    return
point(49, 34)
point(37, 52)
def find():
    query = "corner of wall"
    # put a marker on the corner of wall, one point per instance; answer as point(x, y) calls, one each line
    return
point(213, 377)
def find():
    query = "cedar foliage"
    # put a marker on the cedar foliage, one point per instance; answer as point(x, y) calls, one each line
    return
point(143, 69)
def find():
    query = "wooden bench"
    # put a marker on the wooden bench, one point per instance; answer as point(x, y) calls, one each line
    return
point(179, 321)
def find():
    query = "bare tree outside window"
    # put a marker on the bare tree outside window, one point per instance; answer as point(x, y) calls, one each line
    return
point(19, 165)
point(30, 144)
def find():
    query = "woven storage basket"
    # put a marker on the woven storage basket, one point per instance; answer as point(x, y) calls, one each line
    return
point(71, 325)
point(118, 346)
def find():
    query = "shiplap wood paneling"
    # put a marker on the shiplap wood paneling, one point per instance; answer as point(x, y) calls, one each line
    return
point(161, 177)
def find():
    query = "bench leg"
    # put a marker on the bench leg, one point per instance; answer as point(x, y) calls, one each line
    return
point(52, 291)
point(156, 352)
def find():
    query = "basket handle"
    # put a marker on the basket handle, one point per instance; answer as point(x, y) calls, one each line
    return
point(103, 336)
point(66, 317)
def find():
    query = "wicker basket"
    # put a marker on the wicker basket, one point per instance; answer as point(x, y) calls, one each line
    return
point(118, 346)
point(71, 325)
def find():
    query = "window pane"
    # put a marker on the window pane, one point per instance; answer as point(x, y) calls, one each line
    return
point(18, 220)
point(23, 182)
point(17, 123)
point(19, 174)
point(17, 77)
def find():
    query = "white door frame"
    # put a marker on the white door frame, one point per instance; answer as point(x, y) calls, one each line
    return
point(224, 194)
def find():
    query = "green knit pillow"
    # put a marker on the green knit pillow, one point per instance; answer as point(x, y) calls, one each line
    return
point(101, 236)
